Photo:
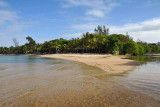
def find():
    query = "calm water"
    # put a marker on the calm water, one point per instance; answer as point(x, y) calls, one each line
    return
point(145, 78)
point(30, 81)
point(152, 54)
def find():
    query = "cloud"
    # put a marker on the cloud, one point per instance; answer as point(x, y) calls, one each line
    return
point(96, 8)
point(3, 4)
point(148, 3)
point(96, 13)
point(10, 25)
point(7, 15)
point(87, 27)
point(148, 30)
point(74, 35)
point(148, 25)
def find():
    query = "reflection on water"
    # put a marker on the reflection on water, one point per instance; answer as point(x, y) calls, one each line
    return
point(141, 59)
point(144, 79)
point(31, 81)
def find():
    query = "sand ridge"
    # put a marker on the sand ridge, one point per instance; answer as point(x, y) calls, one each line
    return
point(109, 63)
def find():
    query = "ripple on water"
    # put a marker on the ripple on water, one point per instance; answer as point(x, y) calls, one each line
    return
point(64, 83)
point(145, 79)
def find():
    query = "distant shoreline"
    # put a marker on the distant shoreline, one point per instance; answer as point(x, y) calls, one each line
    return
point(108, 63)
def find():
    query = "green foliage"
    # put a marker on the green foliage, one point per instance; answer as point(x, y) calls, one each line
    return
point(131, 48)
point(115, 43)
point(141, 49)
point(88, 43)
point(158, 50)
point(31, 41)
point(31, 45)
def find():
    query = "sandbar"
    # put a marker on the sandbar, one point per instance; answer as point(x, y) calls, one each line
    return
point(108, 63)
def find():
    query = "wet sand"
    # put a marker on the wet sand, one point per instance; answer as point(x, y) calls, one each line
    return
point(109, 63)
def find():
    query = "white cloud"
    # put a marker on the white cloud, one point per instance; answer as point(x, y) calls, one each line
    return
point(7, 15)
point(148, 3)
point(97, 8)
point(148, 31)
point(96, 13)
point(10, 25)
point(3, 4)
point(74, 35)
point(148, 25)
point(87, 27)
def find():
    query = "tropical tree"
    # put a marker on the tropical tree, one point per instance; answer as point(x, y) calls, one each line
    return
point(31, 45)
point(131, 48)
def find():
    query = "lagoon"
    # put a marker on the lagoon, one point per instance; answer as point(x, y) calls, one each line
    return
point(35, 81)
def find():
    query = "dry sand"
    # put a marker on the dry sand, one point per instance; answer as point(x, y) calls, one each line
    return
point(109, 63)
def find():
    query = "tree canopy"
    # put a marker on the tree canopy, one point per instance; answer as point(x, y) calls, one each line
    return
point(98, 42)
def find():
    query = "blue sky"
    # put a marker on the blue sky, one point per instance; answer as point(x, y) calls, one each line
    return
point(50, 19)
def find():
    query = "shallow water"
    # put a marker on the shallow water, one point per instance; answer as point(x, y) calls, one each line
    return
point(144, 78)
point(30, 81)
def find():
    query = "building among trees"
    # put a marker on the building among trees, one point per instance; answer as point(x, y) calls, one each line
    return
point(158, 43)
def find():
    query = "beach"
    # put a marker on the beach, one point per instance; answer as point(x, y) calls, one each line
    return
point(108, 63)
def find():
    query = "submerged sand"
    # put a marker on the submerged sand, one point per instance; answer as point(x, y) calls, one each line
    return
point(109, 63)
point(62, 83)
point(1, 69)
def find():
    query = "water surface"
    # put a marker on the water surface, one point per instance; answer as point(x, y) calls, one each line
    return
point(29, 81)
point(144, 78)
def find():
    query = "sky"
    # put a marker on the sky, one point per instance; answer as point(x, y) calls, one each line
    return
point(46, 20)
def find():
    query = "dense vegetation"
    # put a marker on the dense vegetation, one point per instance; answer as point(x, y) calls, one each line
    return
point(99, 42)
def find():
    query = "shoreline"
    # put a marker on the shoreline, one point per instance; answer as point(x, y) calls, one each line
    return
point(108, 63)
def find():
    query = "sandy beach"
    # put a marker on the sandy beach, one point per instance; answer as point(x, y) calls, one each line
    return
point(108, 63)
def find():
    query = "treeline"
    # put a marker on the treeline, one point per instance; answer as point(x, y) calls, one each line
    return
point(87, 43)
